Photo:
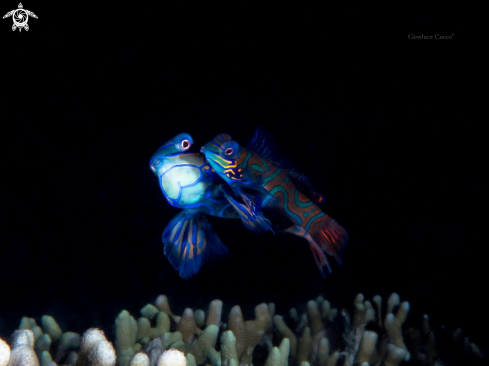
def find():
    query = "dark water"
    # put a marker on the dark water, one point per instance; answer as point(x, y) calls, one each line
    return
point(374, 119)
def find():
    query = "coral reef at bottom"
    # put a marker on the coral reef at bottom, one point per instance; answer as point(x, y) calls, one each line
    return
point(368, 334)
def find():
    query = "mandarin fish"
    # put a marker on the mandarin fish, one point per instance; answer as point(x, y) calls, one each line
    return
point(265, 185)
point(189, 183)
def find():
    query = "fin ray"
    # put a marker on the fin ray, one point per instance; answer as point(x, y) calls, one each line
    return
point(319, 257)
point(331, 236)
point(265, 145)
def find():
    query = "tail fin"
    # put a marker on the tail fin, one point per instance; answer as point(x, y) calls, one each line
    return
point(330, 235)
point(189, 242)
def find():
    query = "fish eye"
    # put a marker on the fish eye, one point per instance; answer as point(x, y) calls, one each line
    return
point(185, 145)
point(229, 150)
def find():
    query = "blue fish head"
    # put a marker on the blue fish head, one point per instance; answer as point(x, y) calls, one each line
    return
point(180, 144)
point(221, 153)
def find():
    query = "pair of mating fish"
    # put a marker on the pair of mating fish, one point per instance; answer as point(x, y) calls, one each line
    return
point(230, 181)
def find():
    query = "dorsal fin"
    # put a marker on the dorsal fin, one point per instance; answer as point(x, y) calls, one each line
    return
point(266, 146)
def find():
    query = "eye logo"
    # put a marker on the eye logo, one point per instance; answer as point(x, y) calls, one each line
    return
point(20, 17)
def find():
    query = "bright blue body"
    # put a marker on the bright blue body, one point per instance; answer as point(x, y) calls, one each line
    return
point(189, 183)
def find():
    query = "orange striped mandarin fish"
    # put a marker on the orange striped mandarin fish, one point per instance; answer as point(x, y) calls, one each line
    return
point(257, 176)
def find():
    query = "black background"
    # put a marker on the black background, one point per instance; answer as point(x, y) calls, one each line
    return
point(373, 118)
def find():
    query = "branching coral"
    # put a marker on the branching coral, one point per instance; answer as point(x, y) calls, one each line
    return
point(381, 344)
point(321, 336)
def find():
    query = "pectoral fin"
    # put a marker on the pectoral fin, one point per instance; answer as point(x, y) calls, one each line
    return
point(253, 220)
point(189, 242)
point(257, 197)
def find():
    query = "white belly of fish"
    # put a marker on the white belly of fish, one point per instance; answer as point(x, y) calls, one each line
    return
point(183, 185)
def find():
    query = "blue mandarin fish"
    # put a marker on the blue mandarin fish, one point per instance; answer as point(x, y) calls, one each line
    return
point(259, 178)
point(189, 183)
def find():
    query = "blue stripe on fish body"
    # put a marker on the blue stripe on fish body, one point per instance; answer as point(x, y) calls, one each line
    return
point(314, 218)
point(257, 168)
point(265, 165)
point(300, 203)
point(268, 179)
point(244, 163)
point(285, 207)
